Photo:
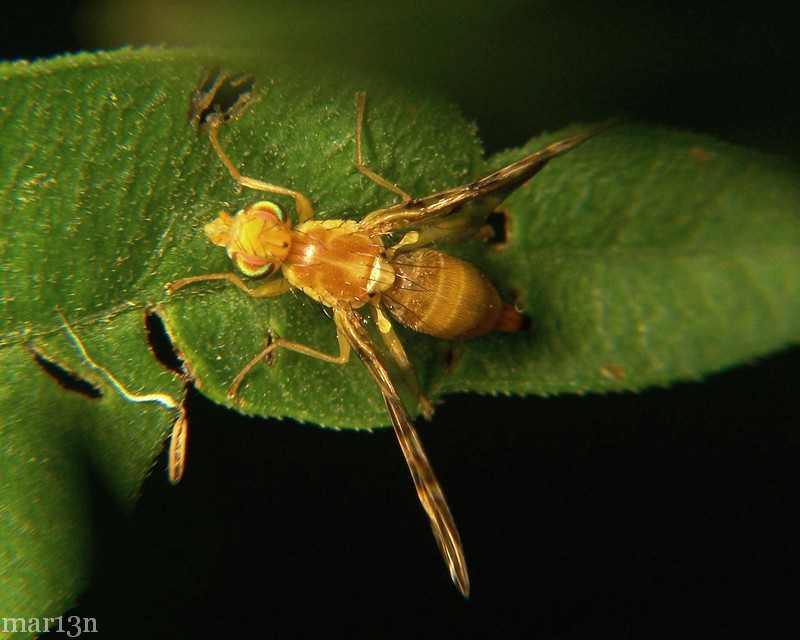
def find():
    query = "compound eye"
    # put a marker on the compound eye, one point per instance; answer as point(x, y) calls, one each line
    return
point(266, 271)
point(252, 267)
point(267, 209)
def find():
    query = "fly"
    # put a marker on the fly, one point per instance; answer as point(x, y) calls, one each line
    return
point(347, 266)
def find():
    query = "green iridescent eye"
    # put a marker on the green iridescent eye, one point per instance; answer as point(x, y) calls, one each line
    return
point(266, 208)
point(253, 267)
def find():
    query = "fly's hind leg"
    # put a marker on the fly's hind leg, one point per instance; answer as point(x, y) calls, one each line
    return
point(281, 343)
point(305, 210)
point(398, 353)
point(360, 166)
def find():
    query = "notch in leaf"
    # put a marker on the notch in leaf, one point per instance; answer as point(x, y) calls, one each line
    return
point(222, 92)
point(161, 344)
point(67, 379)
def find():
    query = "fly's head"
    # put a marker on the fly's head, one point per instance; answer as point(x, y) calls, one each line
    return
point(258, 238)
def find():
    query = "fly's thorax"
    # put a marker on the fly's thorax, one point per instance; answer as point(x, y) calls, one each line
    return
point(258, 238)
point(442, 296)
point(337, 261)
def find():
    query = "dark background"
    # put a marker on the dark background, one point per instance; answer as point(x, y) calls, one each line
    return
point(668, 512)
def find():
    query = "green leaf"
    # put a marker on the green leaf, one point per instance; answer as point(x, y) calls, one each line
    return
point(60, 447)
point(105, 185)
point(643, 257)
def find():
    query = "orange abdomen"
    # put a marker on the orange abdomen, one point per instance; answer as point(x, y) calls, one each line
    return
point(442, 296)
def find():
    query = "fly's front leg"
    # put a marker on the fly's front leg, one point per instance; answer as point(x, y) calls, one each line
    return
point(281, 343)
point(305, 210)
point(360, 166)
point(269, 289)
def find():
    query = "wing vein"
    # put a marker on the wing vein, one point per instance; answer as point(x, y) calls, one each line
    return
point(428, 488)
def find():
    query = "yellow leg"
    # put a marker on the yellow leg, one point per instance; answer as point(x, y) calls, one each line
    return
point(280, 343)
point(269, 289)
point(459, 227)
point(362, 169)
point(305, 210)
point(398, 353)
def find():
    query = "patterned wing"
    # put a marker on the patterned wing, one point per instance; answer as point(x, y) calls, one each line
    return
point(484, 194)
point(428, 488)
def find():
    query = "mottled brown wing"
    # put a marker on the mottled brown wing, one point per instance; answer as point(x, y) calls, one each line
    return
point(485, 194)
point(428, 488)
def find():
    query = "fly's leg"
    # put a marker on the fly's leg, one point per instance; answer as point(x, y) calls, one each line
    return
point(266, 290)
point(360, 166)
point(281, 343)
point(269, 289)
point(459, 227)
point(305, 210)
point(398, 353)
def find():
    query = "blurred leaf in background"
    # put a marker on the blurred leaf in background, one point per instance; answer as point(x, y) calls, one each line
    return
point(517, 67)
